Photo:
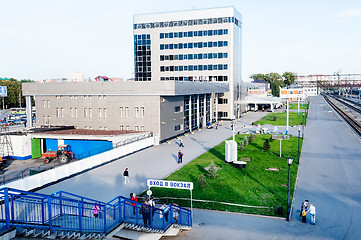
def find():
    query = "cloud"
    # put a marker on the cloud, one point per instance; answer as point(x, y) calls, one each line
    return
point(350, 13)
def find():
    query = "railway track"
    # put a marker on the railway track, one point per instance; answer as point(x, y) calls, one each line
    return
point(355, 125)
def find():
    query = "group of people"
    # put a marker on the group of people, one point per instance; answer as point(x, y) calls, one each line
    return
point(306, 208)
point(147, 210)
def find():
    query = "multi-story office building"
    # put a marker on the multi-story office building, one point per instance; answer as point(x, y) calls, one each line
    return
point(195, 45)
point(187, 74)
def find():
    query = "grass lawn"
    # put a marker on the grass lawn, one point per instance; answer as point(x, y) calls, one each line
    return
point(253, 186)
point(294, 119)
point(302, 107)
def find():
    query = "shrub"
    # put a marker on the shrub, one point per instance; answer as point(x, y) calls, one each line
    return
point(271, 139)
point(245, 141)
point(212, 170)
point(266, 144)
point(241, 145)
point(202, 182)
point(275, 118)
point(251, 137)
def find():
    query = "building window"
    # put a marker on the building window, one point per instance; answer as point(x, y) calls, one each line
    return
point(90, 112)
point(62, 112)
point(141, 128)
point(177, 128)
point(85, 112)
point(57, 113)
point(177, 109)
point(48, 104)
point(136, 128)
point(121, 109)
point(105, 113)
point(100, 112)
point(222, 101)
point(127, 128)
point(136, 112)
point(142, 111)
point(126, 111)
point(121, 127)
point(44, 103)
point(76, 112)
point(71, 112)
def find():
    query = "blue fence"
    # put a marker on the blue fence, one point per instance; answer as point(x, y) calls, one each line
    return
point(63, 211)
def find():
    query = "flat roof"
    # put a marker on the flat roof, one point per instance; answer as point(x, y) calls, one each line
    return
point(89, 132)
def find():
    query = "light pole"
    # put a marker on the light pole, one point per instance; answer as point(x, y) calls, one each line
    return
point(299, 131)
point(289, 161)
point(303, 125)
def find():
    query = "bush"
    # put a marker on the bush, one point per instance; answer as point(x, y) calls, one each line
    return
point(251, 137)
point(241, 145)
point(212, 170)
point(271, 139)
point(202, 182)
point(245, 141)
point(275, 118)
point(266, 144)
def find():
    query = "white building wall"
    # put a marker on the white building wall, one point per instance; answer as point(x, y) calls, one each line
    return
point(21, 145)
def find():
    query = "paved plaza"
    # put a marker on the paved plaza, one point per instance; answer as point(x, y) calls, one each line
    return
point(329, 177)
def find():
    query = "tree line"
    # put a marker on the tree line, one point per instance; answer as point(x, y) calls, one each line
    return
point(14, 92)
point(276, 80)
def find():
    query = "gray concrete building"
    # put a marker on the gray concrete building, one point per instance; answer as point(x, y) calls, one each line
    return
point(167, 108)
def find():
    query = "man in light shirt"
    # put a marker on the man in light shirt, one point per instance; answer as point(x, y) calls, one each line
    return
point(312, 212)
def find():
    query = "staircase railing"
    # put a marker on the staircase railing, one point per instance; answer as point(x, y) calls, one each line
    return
point(63, 211)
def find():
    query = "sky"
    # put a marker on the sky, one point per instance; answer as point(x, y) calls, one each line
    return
point(44, 39)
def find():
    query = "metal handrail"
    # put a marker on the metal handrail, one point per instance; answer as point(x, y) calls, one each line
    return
point(63, 211)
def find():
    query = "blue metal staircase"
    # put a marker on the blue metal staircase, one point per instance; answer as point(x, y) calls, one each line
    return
point(66, 215)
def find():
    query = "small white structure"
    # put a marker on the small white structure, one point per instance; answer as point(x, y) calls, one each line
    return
point(231, 151)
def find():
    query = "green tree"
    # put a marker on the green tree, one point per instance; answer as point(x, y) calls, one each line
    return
point(202, 181)
point(212, 170)
point(14, 92)
point(251, 137)
point(289, 78)
point(258, 77)
point(266, 144)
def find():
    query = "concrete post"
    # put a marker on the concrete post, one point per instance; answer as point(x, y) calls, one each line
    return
point(29, 118)
point(210, 109)
point(198, 111)
point(205, 110)
point(190, 113)
point(272, 107)
point(216, 99)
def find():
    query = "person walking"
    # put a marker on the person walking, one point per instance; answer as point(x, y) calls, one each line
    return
point(181, 142)
point(312, 212)
point(96, 210)
point(126, 176)
point(135, 199)
point(304, 209)
point(180, 156)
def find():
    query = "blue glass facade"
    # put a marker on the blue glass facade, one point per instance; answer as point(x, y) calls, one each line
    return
point(142, 57)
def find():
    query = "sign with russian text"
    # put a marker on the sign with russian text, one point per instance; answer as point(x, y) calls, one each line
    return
point(169, 184)
point(3, 91)
point(281, 137)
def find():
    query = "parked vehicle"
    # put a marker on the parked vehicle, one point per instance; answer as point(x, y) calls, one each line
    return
point(63, 154)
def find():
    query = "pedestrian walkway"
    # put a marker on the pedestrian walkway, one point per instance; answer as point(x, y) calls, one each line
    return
point(156, 162)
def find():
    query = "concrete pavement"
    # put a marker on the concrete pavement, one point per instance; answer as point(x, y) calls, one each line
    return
point(329, 177)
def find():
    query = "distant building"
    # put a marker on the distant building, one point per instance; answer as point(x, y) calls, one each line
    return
point(255, 96)
point(295, 93)
point(103, 79)
point(75, 77)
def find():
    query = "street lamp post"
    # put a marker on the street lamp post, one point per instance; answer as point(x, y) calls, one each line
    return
point(289, 161)
point(299, 131)
point(303, 125)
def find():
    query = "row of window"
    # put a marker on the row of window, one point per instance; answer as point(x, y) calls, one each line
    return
point(196, 78)
point(199, 33)
point(192, 22)
point(194, 45)
point(219, 55)
point(102, 112)
point(141, 36)
point(180, 68)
